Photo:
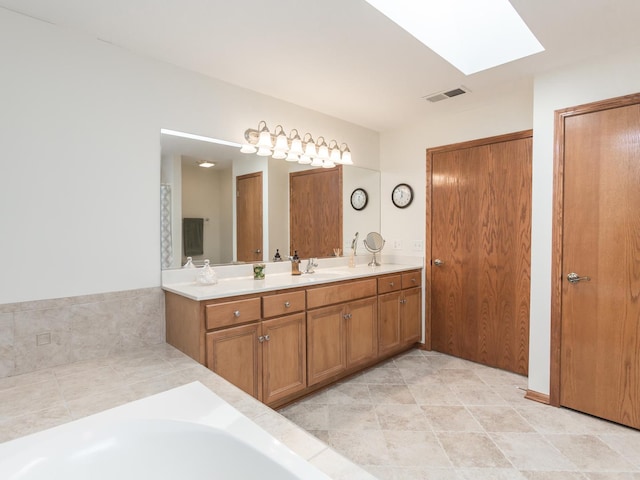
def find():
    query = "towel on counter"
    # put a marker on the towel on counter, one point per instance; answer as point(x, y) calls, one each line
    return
point(192, 236)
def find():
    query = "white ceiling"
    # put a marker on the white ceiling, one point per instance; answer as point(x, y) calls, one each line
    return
point(339, 57)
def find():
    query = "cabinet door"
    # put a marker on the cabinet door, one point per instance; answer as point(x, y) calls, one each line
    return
point(361, 331)
point(411, 316)
point(325, 343)
point(284, 354)
point(234, 354)
point(389, 332)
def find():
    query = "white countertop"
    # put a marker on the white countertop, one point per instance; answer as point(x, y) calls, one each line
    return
point(279, 279)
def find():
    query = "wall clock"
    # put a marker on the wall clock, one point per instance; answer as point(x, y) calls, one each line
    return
point(402, 195)
point(359, 198)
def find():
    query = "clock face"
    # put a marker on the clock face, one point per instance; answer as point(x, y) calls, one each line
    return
point(402, 195)
point(359, 198)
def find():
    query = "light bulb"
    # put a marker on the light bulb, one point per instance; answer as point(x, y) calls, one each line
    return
point(264, 151)
point(248, 148)
point(292, 157)
point(264, 140)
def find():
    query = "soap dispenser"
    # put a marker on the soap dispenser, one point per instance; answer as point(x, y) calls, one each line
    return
point(277, 257)
point(295, 264)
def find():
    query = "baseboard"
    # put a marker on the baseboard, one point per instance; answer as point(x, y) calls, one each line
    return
point(537, 397)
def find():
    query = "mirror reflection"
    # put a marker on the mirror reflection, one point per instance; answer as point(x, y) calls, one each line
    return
point(203, 216)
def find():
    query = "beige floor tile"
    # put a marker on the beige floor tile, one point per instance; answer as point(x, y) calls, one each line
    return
point(78, 384)
point(26, 379)
point(380, 376)
point(402, 417)
point(352, 417)
point(426, 473)
point(391, 394)
point(472, 450)
point(613, 475)
point(477, 395)
point(459, 376)
point(338, 467)
point(30, 398)
point(531, 451)
point(500, 419)
point(309, 416)
point(363, 448)
point(347, 393)
point(19, 426)
point(590, 453)
point(451, 419)
point(418, 376)
point(547, 419)
point(627, 445)
point(415, 449)
point(531, 475)
point(490, 474)
point(436, 394)
point(97, 402)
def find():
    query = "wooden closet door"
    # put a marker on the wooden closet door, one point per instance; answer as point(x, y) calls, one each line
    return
point(480, 241)
point(315, 212)
point(600, 331)
point(249, 217)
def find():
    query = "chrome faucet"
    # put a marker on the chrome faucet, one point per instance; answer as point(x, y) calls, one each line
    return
point(311, 264)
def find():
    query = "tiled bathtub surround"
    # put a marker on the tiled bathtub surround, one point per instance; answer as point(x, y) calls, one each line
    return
point(46, 398)
point(80, 328)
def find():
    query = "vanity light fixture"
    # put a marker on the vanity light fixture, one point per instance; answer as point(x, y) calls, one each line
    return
point(292, 148)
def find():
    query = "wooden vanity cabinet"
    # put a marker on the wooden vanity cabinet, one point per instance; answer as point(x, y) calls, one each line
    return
point(399, 324)
point(284, 346)
point(277, 346)
point(342, 336)
point(266, 358)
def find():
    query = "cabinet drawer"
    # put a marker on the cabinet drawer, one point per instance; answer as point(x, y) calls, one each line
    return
point(343, 292)
point(283, 304)
point(411, 279)
point(232, 313)
point(390, 283)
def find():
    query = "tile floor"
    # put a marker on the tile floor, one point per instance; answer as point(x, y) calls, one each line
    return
point(425, 415)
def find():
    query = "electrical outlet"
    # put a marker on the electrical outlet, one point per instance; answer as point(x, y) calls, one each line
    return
point(418, 245)
point(43, 339)
point(397, 244)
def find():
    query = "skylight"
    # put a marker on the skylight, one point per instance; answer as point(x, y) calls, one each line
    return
point(472, 35)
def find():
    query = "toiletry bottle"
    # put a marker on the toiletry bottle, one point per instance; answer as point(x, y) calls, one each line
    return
point(352, 259)
point(295, 264)
point(277, 257)
point(207, 275)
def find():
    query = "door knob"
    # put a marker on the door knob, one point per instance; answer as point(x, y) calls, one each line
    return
point(575, 278)
point(257, 251)
point(437, 262)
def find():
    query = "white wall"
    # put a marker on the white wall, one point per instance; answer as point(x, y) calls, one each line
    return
point(403, 160)
point(80, 133)
point(597, 79)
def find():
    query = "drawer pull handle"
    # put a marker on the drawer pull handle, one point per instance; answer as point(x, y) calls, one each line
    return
point(267, 338)
point(413, 280)
point(236, 313)
point(287, 304)
point(261, 338)
point(347, 316)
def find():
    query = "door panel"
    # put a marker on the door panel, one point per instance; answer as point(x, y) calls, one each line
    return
point(481, 232)
point(249, 217)
point(600, 333)
point(315, 212)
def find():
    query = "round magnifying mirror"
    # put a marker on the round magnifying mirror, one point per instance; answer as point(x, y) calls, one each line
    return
point(374, 243)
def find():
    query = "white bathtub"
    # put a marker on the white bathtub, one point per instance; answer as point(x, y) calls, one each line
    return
point(184, 433)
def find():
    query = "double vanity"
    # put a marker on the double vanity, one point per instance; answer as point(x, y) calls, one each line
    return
point(286, 336)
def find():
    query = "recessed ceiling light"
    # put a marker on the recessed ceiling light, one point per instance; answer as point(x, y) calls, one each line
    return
point(206, 164)
point(472, 35)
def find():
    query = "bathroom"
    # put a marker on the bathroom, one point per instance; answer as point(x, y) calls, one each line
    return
point(81, 123)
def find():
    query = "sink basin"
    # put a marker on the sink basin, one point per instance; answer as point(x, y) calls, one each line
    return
point(319, 276)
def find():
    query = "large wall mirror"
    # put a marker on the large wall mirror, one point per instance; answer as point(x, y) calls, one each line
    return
point(200, 205)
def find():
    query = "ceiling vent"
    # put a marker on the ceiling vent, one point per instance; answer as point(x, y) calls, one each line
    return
point(436, 97)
